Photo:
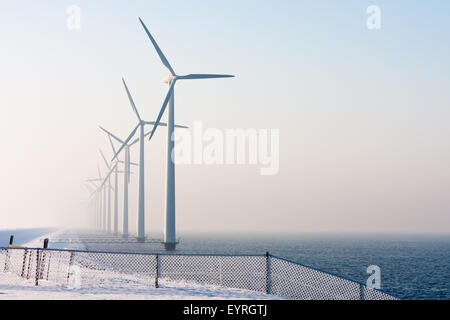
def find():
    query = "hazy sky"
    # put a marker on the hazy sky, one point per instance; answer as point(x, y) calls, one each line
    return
point(363, 114)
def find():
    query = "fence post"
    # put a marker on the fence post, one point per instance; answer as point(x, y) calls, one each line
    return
point(68, 269)
point(11, 239)
point(156, 270)
point(24, 262)
point(268, 271)
point(36, 279)
point(29, 264)
point(361, 291)
point(42, 265)
point(6, 261)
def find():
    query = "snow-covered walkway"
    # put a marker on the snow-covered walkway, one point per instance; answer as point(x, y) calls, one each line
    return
point(175, 292)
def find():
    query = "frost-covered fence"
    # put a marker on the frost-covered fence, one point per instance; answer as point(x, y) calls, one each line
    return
point(139, 271)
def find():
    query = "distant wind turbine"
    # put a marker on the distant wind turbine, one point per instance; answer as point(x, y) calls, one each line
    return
point(169, 234)
point(141, 198)
point(102, 203)
point(109, 191)
point(93, 203)
point(126, 180)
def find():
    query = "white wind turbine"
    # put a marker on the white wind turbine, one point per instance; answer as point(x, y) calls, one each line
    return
point(101, 190)
point(93, 203)
point(169, 232)
point(115, 169)
point(94, 194)
point(127, 164)
point(141, 197)
point(108, 185)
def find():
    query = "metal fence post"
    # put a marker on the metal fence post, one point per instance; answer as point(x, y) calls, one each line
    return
point(268, 271)
point(36, 279)
point(68, 269)
point(6, 261)
point(11, 240)
point(42, 265)
point(24, 262)
point(361, 291)
point(156, 270)
point(29, 264)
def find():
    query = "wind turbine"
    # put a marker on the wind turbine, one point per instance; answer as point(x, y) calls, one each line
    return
point(94, 194)
point(96, 200)
point(101, 204)
point(141, 200)
point(114, 168)
point(106, 201)
point(92, 203)
point(106, 184)
point(116, 191)
point(169, 232)
point(126, 180)
point(127, 164)
point(109, 191)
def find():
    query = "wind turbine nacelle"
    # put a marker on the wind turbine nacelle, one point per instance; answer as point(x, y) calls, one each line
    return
point(169, 79)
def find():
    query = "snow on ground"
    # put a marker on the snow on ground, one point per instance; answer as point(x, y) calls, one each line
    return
point(15, 288)
point(186, 293)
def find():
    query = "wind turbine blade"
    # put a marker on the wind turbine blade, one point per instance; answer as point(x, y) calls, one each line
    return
point(107, 177)
point(89, 188)
point(163, 108)
point(103, 156)
point(150, 132)
point(93, 183)
point(158, 50)
point(134, 142)
point(126, 141)
point(204, 76)
point(111, 170)
point(131, 100)
point(162, 124)
point(112, 144)
point(112, 135)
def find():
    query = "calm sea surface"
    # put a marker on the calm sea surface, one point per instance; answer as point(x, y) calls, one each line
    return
point(412, 266)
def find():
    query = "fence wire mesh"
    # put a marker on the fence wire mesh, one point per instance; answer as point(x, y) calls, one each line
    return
point(300, 282)
point(110, 270)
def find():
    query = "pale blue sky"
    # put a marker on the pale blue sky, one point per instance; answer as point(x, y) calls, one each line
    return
point(363, 115)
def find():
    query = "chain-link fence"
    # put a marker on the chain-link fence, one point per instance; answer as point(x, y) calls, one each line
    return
point(260, 273)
